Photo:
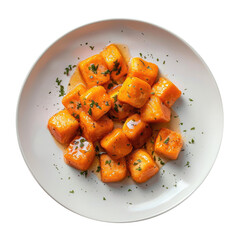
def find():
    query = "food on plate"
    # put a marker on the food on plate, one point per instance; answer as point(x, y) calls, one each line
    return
point(135, 92)
point(112, 170)
point(141, 166)
point(116, 144)
point(94, 71)
point(144, 70)
point(71, 101)
point(95, 130)
point(168, 143)
point(155, 111)
point(63, 126)
point(80, 153)
point(115, 62)
point(136, 130)
point(118, 115)
point(166, 91)
point(119, 110)
point(96, 102)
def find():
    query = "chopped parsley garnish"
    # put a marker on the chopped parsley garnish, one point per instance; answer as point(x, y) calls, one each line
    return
point(85, 173)
point(61, 91)
point(58, 81)
point(106, 72)
point(118, 71)
point(192, 141)
point(139, 169)
point(191, 100)
point(164, 62)
point(98, 169)
point(116, 65)
point(68, 69)
point(115, 98)
point(116, 107)
point(110, 85)
point(104, 198)
point(71, 191)
point(92, 47)
point(107, 103)
point(193, 128)
point(129, 190)
point(140, 54)
point(90, 111)
point(166, 141)
point(79, 105)
point(187, 164)
point(93, 68)
point(82, 140)
point(108, 162)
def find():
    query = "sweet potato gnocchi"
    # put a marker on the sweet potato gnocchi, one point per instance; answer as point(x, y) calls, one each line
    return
point(115, 105)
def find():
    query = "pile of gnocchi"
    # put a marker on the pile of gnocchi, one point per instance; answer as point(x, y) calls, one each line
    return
point(113, 91)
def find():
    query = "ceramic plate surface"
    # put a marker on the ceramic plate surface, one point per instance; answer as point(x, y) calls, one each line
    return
point(199, 109)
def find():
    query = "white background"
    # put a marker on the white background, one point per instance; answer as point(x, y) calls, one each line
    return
point(210, 27)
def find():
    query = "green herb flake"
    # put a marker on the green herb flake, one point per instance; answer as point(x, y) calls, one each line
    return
point(84, 173)
point(98, 169)
point(193, 128)
point(164, 62)
point(167, 140)
point(90, 111)
point(190, 99)
point(58, 81)
point(105, 73)
point(92, 47)
point(61, 91)
point(115, 98)
point(140, 54)
point(72, 191)
point(116, 107)
point(139, 169)
point(93, 68)
point(79, 105)
point(110, 85)
point(104, 199)
point(187, 164)
point(129, 190)
point(108, 162)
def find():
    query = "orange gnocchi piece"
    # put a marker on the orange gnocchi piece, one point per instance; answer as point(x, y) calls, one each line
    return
point(94, 71)
point(63, 126)
point(115, 62)
point(137, 130)
point(80, 153)
point(119, 109)
point(144, 70)
point(95, 130)
point(168, 143)
point(166, 91)
point(71, 101)
point(135, 92)
point(116, 144)
point(141, 166)
point(155, 111)
point(112, 170)
point(96, 102)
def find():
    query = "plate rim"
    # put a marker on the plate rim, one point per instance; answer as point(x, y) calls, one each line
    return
point(17, 116)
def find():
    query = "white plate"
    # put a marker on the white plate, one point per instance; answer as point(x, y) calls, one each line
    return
point(177, 179)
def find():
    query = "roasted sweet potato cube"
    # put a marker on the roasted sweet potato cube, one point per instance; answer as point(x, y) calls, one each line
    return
point(120, 110)
point(112, 170)
point(141, 166)
point(94, 71)
point(96, 102)
point(137, 130)
point(135, 92)
point(63, 126)
point(80, 153)
point(166, 91)
point(168, 143)
point(144, 70)
point(115, 61)
point(95, 130)
point(116, 144)
point(155, 111)
point(71, 101)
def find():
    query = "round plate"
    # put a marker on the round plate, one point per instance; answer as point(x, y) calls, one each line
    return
point(199, 109)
